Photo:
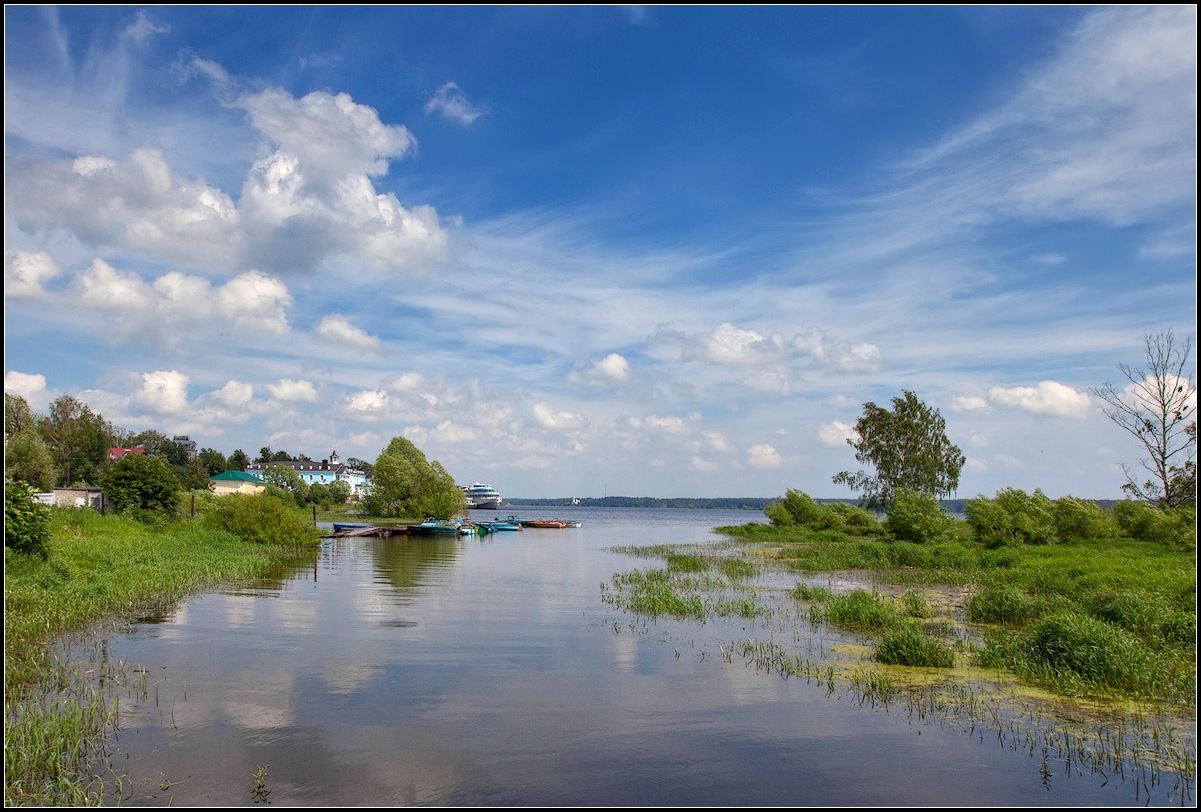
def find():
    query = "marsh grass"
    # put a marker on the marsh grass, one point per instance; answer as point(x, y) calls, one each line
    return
point(907, 644)
point(1105, 626)
point(100, 570)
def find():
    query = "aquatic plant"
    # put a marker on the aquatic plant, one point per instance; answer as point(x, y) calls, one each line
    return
point(909, 645)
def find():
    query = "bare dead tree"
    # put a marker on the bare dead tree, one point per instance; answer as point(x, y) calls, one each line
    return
point(1158, 408)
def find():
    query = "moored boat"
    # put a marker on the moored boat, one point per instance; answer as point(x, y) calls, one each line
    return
point(481, 496)
point(547, 523)
point(433, 527)
point(342, 527)
point(494, 526)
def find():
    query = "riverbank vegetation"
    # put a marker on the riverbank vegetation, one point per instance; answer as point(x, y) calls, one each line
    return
point(1092, 611)
point(90, 569)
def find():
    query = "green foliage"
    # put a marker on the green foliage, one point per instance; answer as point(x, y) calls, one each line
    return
point(26, 523)
point(1081, 519)
point(808, 592)
point(1099, 654)
point(405, 484)
point(261, 519)
point(27, 459)
point(854, 519)
point(78, 440)
point(1001, 604)
point(1013, 517)
point(285, 478)
point(142, 486)
point(18, 417)
point(1176, 527)
point(798, 508)
point(238, 461)
point(908, 645)
point(679, 562)
point(919, 518)
point(214, 461)
point(908, 447)
point(862, 609)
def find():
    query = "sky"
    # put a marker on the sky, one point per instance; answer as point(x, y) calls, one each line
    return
point(663, 251)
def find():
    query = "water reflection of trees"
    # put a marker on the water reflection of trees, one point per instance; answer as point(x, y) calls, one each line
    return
point(407, 561)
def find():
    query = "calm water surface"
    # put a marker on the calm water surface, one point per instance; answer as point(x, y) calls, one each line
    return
point(488, 671)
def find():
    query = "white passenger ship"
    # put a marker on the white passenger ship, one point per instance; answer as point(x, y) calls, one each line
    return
point(482, 496)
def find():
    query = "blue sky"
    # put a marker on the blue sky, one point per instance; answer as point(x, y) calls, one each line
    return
point(609, 250)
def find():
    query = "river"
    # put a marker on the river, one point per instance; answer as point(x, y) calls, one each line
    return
point(488, 671)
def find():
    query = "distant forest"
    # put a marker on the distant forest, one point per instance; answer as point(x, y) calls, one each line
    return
point(953, 506)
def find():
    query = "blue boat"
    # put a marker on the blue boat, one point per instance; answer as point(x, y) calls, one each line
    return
point(494, 526)
point(340, 527)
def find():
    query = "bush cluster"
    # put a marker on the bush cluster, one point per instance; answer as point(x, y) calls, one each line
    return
point(26, 522)
point(261, 518)
point(799, 509)
point(919, 518)
point(1013, 517)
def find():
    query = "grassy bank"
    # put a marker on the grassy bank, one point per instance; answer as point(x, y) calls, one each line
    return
point(100, 570)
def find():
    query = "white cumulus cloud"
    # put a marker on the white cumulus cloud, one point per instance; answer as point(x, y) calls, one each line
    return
point(27, 272)
point(1049, 397)
point(339, 329)
point(163, 391)
point(293, 390)
point(836, 433)
point(368, 401)
point(24, 385)
point(763, 456)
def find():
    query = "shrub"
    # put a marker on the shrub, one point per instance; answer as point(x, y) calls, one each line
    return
point(1081, 519)
point(1013, 517)
point(778, 514)
point(142, 487)
point(909, 645)
point(918, 517)
point(26, 522)
point(1145, 522)
point(801, 507)
point(262, 518)
point(845, 516)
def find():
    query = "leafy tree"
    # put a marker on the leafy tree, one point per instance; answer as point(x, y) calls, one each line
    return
point(264, 454)
point(78, 439)
point(339, 492)
point(193, 475)
point(139, 485)
point(214, 461)
point(26, 523)
point(406, 484)
point(27, 459)
point(1158, 408)
point(238, 461)
point(909, 449)
point(285, 477)
point(360, 465)
point(17, 415)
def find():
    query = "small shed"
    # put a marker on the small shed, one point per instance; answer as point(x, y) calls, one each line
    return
point(79, 497)
point(235, 482)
